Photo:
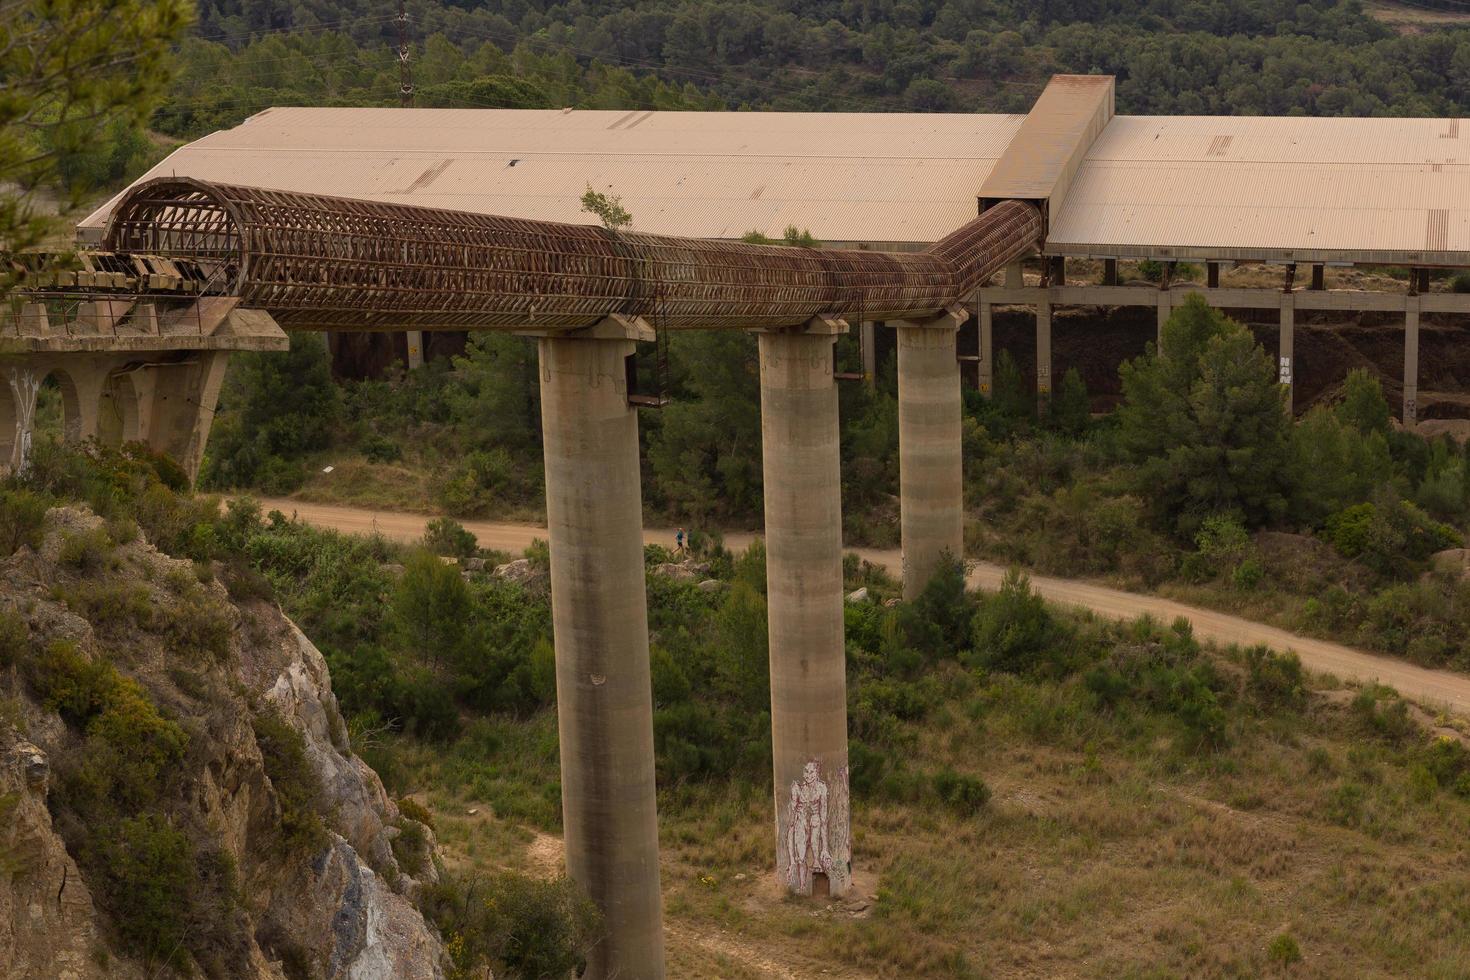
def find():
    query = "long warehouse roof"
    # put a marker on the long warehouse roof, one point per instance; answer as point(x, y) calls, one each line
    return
point(1286, 189)
point(880, 178)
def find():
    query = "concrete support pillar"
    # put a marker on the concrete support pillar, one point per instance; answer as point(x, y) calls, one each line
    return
point(181, 409)
point(1110, 272)
point(1319, 277)
point(1043, 358)
point(869, 343)
point(88, 383)
point(987, 349)
point(1166, 309)
point(1287, 345)
point(600, 622)
point(930, 469)
point(803, 506)
point(1015, 275)
point(414, 339)
point(1212, 275)
point(1411, 362)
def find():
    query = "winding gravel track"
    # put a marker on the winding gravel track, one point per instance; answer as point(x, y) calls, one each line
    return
point(1433, 688)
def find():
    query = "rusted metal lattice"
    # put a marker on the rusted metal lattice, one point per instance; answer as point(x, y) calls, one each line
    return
point(329, 263)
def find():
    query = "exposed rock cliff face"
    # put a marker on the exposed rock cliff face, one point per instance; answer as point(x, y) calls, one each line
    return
point(288, 832)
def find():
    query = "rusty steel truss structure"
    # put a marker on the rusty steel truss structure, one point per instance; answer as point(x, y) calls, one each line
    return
point(326, 263)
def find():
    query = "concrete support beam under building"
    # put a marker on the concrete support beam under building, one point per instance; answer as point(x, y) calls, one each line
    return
point(1110, 272)
point(987, 349)
point(1287, 347)
point(414, 340)
point(930, 468)
point(1166, 309)
point(869, 343)
point(803, 523)
point(1212, 275)
point(1319, 277)
point(600, 620)
point(1411, 362)
point(1043, 358)
point(1015, 276)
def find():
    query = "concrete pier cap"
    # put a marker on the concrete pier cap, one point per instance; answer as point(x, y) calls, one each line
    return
point(930, 464)
point(803, 526)
point(600, 622)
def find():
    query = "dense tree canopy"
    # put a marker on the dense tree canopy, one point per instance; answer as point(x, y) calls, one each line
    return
point(1170, 56)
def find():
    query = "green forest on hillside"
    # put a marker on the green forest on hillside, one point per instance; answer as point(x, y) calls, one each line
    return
point(1275, 57)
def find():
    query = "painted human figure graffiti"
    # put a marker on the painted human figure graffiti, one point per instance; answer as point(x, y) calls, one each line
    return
point(816, 839)
point(23, 388)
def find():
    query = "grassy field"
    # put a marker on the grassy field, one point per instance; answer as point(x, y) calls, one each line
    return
point(1315, 842)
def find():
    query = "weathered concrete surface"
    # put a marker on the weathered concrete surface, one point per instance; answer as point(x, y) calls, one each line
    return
point(127, 372)
point(930, 468)
point(804, 593)
point(600, 618)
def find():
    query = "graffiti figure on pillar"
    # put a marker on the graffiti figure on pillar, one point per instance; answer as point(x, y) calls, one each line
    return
point(806, 830)
point(23, 386)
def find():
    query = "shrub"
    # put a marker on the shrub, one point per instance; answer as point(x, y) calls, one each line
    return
point(1014, 628)
point(1390, 721)
point(112, 605)
point(149, 874)
point(1284, 950)
point(22, 520)
point(964, 794)
point(513, 924)
point(283, 752)
point(1248, 574)
point(1221, 546)
point(198, 623)
point(446, 536)
point(1460, 283)
point(15, 637)
point(410, 847)
point(1348, 529)
point(85, 551)
point(1275, 680)
point(380, 449)
point(71, 683)
point(414, 810)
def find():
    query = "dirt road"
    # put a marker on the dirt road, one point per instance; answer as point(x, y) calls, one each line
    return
point(1433, 688)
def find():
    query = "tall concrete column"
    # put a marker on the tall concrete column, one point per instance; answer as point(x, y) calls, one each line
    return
point(600, 619)
point(869, 341)
point(987, 349)
point(1411, 361)
point(803, 504)
point(1287, 347)
point(1043, 358)
point(930, 468)
point(414, 343)
point(1166, 309)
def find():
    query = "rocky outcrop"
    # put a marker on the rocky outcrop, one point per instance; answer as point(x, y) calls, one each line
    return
point(340, 907)
point(48, 924)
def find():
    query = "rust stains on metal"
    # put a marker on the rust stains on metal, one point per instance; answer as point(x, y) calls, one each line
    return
point(326, 263)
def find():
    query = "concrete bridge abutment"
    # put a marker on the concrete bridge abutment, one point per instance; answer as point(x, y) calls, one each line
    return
point(600, 622)
point(930, 467)
point(803, 522)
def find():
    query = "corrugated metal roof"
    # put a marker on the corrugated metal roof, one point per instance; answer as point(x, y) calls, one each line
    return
point(1240, 187)
point(897, 178)
point(1379, 190)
